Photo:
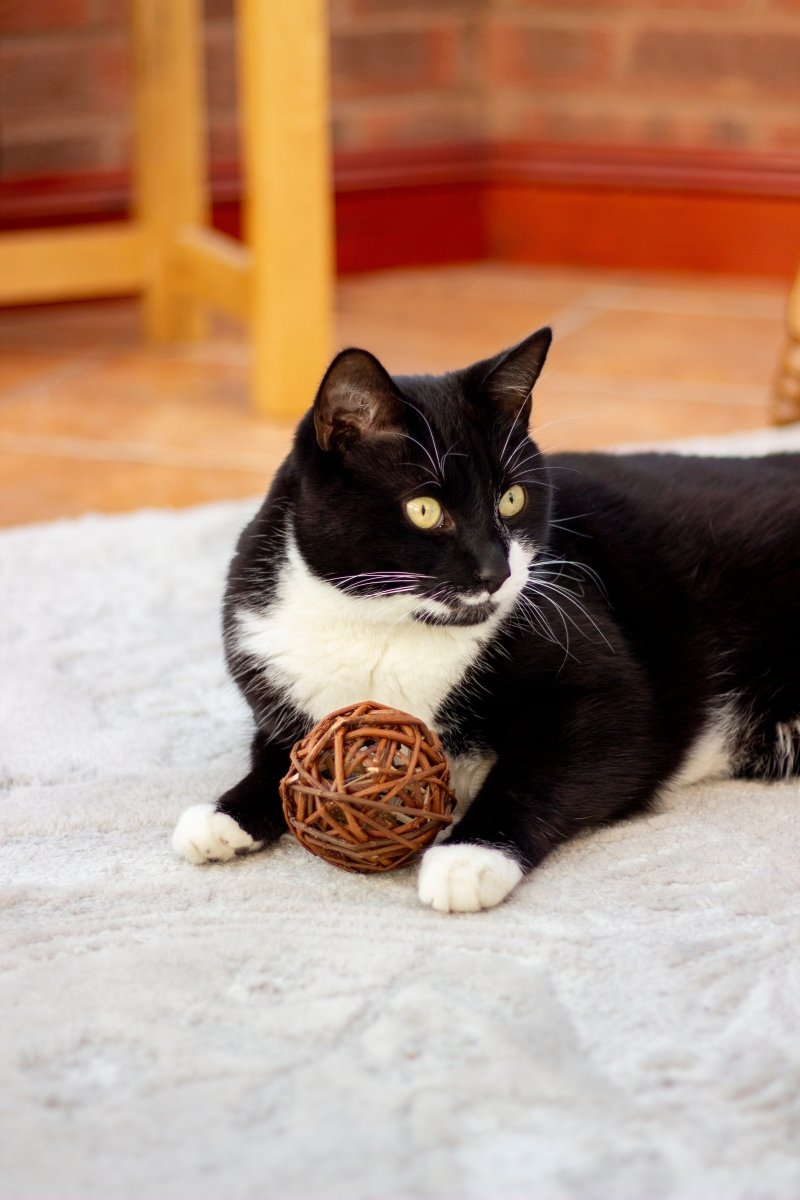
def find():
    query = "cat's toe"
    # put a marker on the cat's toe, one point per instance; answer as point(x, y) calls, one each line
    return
point(205, 835)
point(466, 878)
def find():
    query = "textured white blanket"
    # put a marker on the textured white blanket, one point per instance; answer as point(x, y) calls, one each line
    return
point(626, 1026)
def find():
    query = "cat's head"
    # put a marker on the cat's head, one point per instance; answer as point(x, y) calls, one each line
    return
point(422, 487)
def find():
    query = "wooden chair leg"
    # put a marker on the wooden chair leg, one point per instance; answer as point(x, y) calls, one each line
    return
point(283, 47)
point(786, 396)
point(170, 154)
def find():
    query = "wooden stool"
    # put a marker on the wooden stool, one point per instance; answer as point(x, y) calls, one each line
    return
point(281, 280)
point(786, 396)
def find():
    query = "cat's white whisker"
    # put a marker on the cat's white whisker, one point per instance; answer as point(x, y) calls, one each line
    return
point(520, 411)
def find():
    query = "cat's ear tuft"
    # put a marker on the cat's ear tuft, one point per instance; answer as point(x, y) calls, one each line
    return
point(356, 399)
point(509, 378)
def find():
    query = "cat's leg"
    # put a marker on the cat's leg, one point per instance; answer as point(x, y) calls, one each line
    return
point(477, 866)
point(245, 819)
point(531, 803)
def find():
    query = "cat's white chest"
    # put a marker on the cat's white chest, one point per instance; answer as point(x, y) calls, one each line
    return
point(325, 649)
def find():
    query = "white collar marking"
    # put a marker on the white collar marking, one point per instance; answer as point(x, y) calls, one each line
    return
point(326, 649)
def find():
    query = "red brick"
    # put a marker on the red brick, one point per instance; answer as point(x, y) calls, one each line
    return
point(220, 68)
point(619, 121)
point(547, 55)
point(35, 16)
point(440, 120)
point(395, 7)
point(214, 9)
point(395, 62)
point(54, 155)
point(57, 77)
point(591, 6)
point(224, 140)
point(720, 62)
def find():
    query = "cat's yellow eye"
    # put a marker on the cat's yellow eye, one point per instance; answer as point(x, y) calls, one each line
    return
point(424, 512)
point(512, 501)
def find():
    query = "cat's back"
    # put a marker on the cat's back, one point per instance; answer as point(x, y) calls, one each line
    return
point(749, 502)
point(700, 557)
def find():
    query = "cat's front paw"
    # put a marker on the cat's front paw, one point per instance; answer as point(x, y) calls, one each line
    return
point(205, 835)
point(466, 878)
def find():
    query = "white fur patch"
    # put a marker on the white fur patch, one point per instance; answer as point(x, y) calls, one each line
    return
point(466, 878)
point(467, 774)
point(205, 835)
point(326, 649)
point(710, 755)
point(787, 748)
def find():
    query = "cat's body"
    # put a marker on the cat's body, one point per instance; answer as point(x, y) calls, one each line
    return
point(581, 633)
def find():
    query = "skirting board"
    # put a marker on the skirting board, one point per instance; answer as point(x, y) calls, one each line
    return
point(732, 212)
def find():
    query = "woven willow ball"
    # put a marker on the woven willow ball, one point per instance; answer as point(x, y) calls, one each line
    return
point(368, 788)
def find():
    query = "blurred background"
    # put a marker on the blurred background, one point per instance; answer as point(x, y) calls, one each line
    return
point(626, 170)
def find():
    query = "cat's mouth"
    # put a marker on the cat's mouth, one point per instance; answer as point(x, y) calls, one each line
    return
point(457, 610)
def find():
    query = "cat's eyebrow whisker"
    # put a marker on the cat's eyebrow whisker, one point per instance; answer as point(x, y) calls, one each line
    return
point(524, 444)
point(550, 487)
point(520, 411)
point(454, 453)
point(438, 466)
point(415, 489)
point(426, 452)
point(512, 465)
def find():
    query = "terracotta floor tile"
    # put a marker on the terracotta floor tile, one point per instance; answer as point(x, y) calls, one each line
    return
point(153, 408)
point(93, 418)
point(22, 370)
point(586, 420)
point(70, 328)
point(705, 349)
point(41, 487)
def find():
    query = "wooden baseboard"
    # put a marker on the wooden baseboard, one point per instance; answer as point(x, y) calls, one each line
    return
point(644, 209)
point(517, 202)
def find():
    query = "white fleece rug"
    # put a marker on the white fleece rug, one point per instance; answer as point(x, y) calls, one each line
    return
point(626, 1027)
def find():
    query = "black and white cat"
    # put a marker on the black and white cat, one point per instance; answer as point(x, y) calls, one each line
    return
point(581, 630)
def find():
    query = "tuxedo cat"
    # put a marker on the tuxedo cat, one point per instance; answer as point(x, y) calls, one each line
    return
point(581, 631)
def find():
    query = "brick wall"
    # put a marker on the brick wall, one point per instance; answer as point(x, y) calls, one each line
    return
point(673, 73)
point(717, 74)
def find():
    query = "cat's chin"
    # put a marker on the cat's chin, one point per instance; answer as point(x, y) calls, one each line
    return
point(460, 615)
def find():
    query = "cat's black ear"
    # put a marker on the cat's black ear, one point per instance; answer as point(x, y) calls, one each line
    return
point(509, 378)
point(357, 398)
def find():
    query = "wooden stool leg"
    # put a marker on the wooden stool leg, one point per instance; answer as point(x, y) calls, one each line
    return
point(786, 397)
point(288, 200)
point(170, 161)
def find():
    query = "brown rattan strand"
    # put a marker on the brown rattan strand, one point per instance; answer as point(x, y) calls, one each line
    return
point(368, 788)
point(315, 783)
point(377, 855)
point(367, 805)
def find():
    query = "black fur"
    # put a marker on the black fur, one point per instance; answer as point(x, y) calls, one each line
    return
point(664, 590)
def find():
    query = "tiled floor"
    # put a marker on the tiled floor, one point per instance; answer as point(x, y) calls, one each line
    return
point(92, 419)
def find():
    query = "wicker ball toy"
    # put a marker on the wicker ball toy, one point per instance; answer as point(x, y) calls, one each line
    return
point(368, 788)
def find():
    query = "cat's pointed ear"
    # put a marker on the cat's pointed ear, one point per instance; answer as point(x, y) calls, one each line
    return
point(356, 399)
point(509, 378)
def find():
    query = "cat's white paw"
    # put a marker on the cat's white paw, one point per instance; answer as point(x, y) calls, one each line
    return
point(205, 835)
point(466, 878)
